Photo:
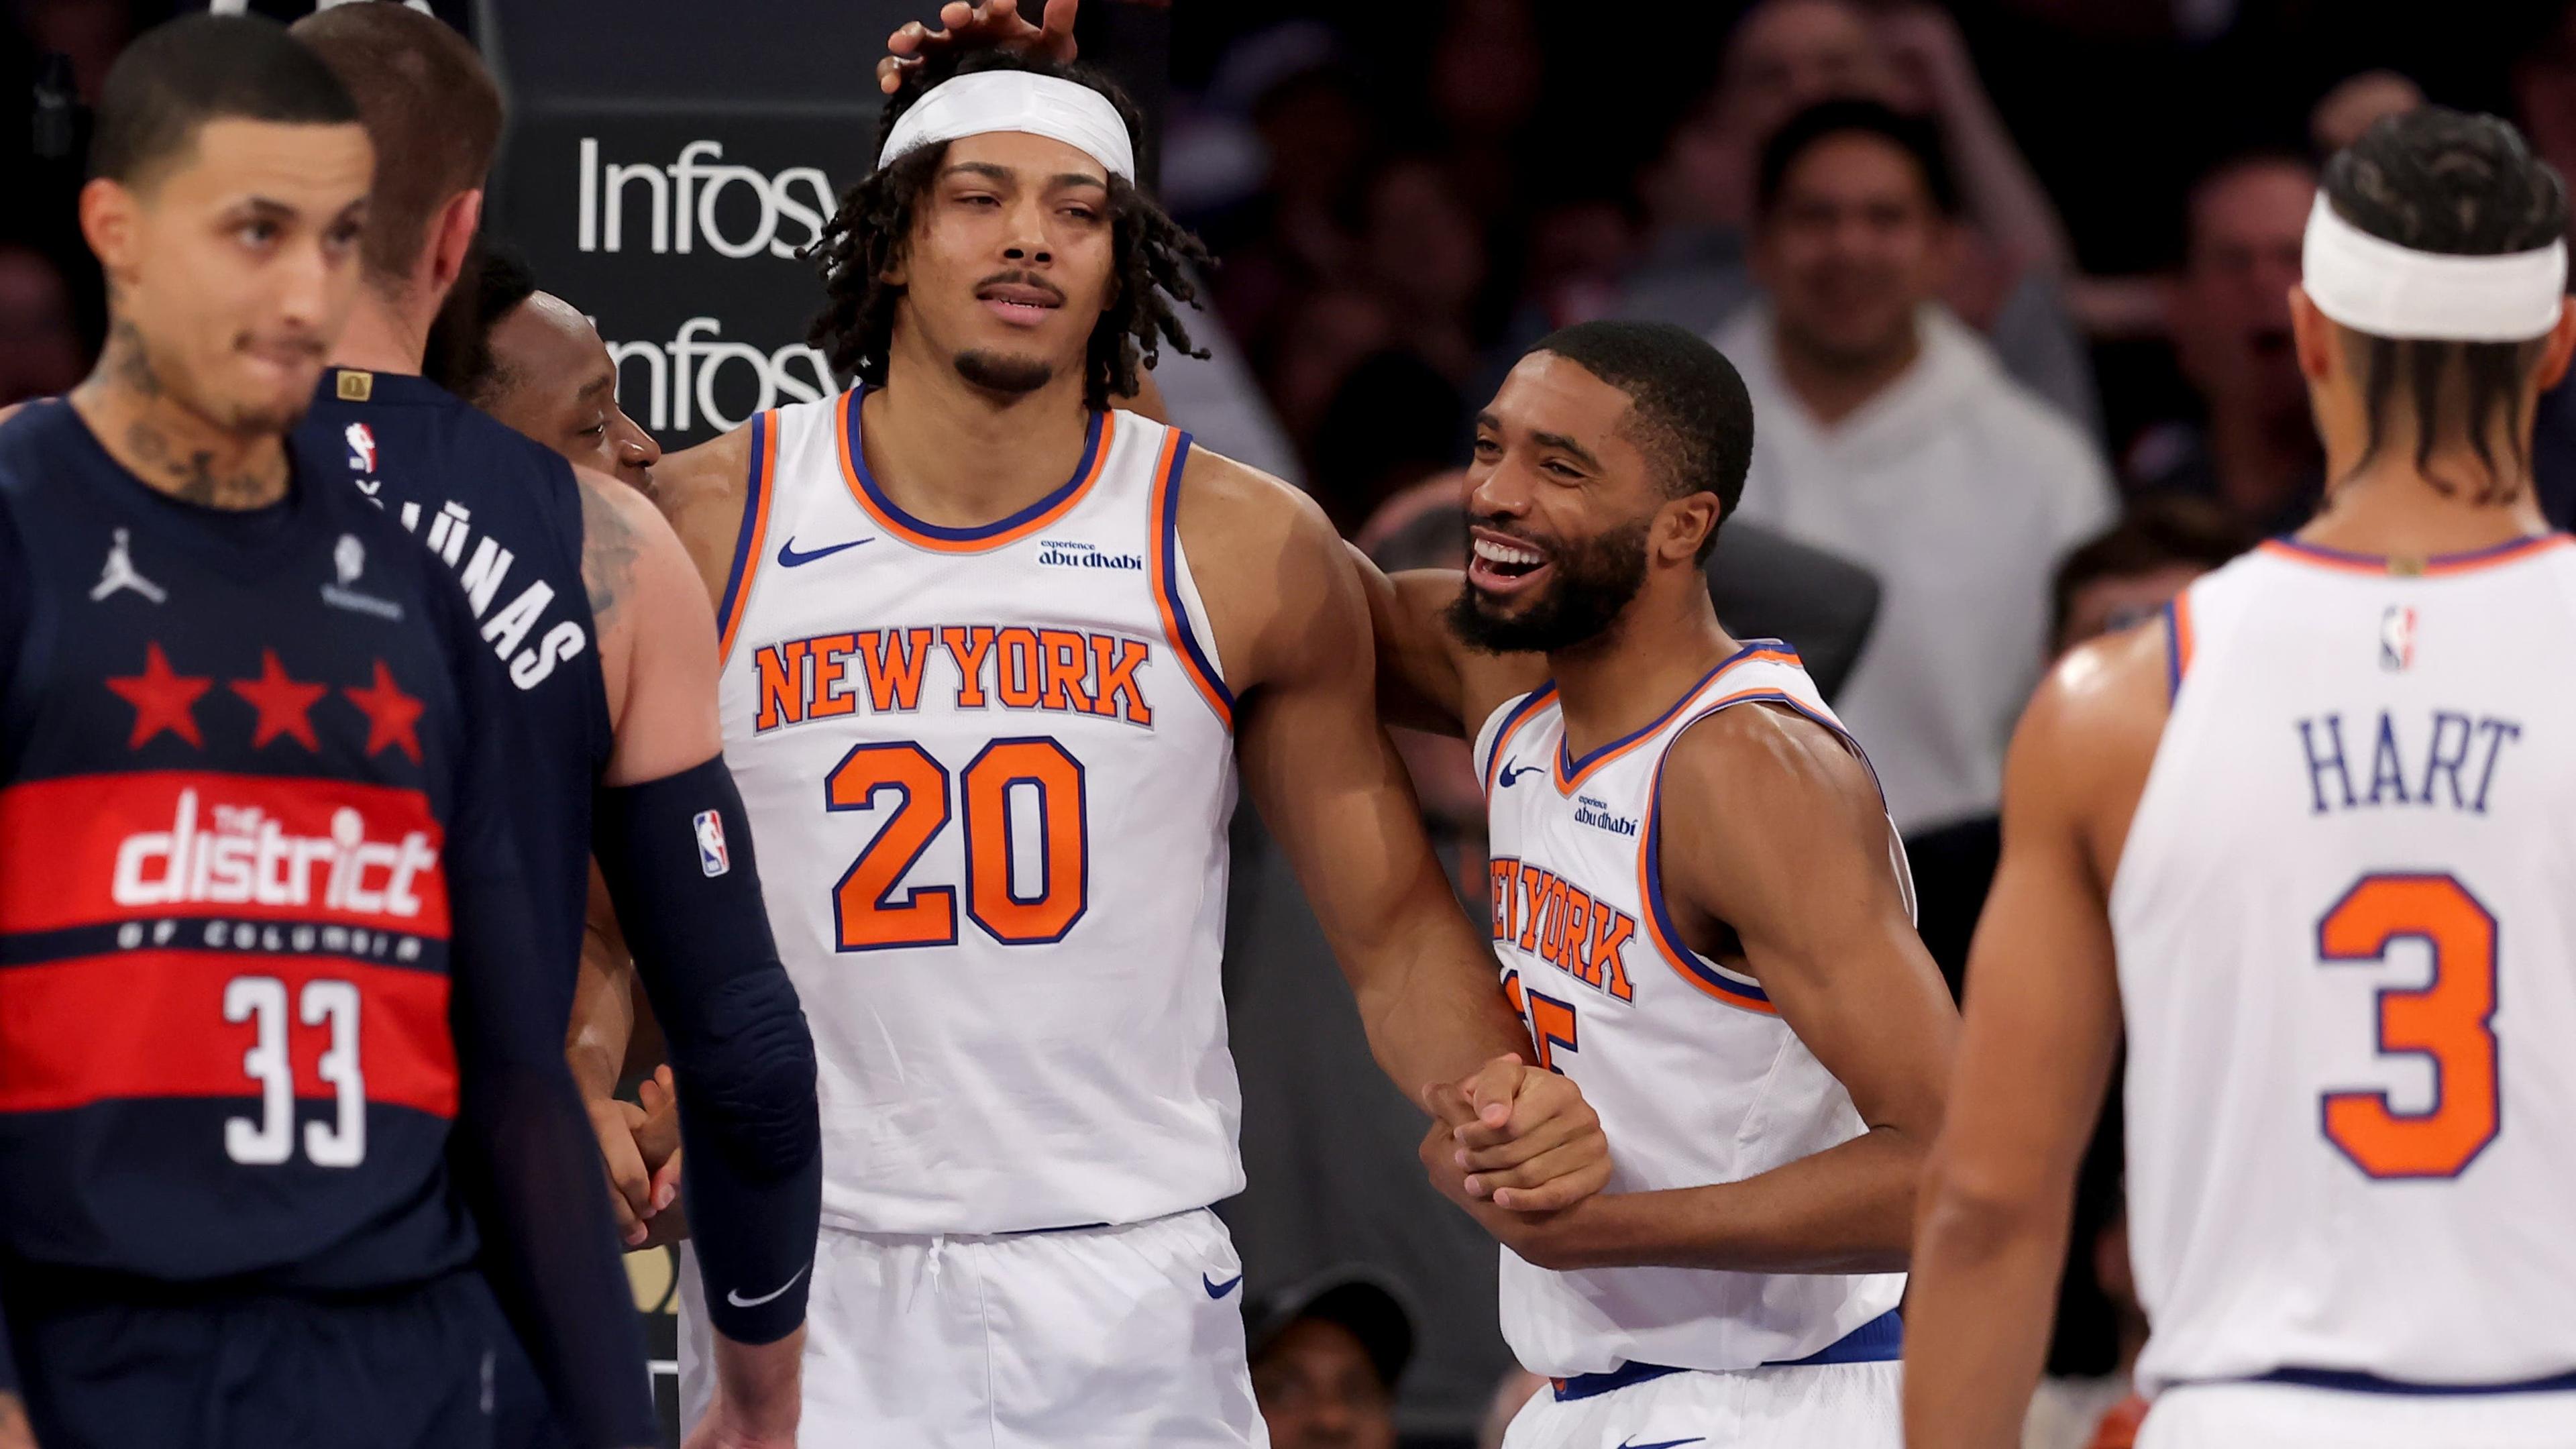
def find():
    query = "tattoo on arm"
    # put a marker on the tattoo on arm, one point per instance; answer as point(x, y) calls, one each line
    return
point(608, 549)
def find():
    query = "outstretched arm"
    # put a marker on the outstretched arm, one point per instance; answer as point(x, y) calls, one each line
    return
point(1334, 793)
point(1771, 825)
point(2043, 1027)
point(675, 851)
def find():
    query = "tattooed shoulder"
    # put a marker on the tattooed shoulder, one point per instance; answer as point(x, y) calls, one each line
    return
point(608, 547)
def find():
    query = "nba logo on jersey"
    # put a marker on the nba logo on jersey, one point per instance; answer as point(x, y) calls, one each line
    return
point(2397, 638)
point(362, 448)
point(712, 856)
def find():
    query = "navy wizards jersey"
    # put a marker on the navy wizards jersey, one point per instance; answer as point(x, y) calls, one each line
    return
point(237, 811)
point(503, 513)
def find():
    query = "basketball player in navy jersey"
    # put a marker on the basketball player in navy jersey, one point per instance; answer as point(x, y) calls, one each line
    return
point(263, 928)
point(592, 613)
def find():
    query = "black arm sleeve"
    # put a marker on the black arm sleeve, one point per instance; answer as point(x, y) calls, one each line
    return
point(523, 1152)
point(676, 853)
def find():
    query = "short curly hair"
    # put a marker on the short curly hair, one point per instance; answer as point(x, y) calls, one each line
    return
point(1150, 251)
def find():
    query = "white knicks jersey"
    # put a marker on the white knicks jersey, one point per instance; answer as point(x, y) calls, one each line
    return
point(990, 772)
point(2346, 923)
point(1696, 1077)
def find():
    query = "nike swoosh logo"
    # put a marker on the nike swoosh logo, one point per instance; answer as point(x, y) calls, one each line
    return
point(734, 1296)
point(789, 558)
point(1512, 775)
point(1661, 1443)
point(1216, 1289)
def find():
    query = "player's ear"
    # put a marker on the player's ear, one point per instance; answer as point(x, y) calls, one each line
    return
point(2557, 348)
point(2313, 337)
point(451, 239)
point(1684, 524)
point(109, 213)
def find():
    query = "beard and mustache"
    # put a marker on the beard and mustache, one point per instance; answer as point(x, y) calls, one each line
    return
point(1591, 581)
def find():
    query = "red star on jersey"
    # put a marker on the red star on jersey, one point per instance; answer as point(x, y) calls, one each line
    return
point(281, 701)
point(390, 714)
point(163, 699)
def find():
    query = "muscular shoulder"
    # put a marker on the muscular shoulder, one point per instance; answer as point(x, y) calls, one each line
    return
point(1777, 772)
point(1269, 568)
point(2081, 754)
point(701, 492)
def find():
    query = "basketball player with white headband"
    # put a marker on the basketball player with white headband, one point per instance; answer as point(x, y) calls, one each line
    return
point(2309, 843)
point(995, 653)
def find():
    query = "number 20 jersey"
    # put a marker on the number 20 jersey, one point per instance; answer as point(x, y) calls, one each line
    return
point(997, 767)
point(2346, 924)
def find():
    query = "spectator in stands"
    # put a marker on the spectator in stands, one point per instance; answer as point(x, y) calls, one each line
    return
point(1325, 1360)
point(2117, 581)
point(1886, 432)
point(2255, 451)
point(40, 342)
point(1785, 55)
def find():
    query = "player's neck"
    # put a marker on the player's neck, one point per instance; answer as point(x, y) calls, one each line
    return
point(382, 336)
point(1665, 642)
point(172, 447)
point(2391, 509)
point(959, 456)
point(2389, 506)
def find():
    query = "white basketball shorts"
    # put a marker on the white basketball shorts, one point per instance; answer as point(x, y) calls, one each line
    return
point(1791, 1406)
point(2290, 1416)
point(1091, 1338)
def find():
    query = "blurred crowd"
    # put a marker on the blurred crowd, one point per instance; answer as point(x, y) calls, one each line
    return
point(2006, 280)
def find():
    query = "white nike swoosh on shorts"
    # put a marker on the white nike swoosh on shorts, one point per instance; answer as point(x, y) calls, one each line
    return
point(734, 1296)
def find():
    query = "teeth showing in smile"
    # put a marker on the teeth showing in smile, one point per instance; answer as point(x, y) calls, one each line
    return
point(1503, 553)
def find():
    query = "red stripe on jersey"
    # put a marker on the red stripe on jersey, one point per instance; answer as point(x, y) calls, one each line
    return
point(92, 849)
point(150, 1023)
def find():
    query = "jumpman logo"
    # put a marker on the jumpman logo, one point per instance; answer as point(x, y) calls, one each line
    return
point(120, 574)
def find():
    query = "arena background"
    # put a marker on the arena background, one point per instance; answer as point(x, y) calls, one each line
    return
point(1400, 196)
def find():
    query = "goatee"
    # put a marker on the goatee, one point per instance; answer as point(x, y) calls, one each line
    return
point(998, 372)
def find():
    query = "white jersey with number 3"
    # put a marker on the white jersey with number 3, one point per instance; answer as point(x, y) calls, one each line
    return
point(2346, 923)
point(990, 772)
point(1696, 1077)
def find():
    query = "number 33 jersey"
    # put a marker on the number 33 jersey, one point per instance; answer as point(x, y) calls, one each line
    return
point(991, 770)
point(237, 799)
point(2346, 923)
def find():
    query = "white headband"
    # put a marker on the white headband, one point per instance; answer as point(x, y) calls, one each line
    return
point(1016, 100)
point(2376, 286)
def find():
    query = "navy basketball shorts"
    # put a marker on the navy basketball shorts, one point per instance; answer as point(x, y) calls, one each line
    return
point(405, 1370)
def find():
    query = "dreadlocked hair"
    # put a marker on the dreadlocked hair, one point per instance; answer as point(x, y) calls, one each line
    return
point(866, 237)
point(2436, 180)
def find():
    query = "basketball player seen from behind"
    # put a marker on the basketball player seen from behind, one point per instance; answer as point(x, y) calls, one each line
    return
point(1702, 907)
point(582, 592)
point(994, 654)
point(2309, 844)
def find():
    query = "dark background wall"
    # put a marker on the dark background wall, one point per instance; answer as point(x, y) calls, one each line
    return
point(664, 170)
